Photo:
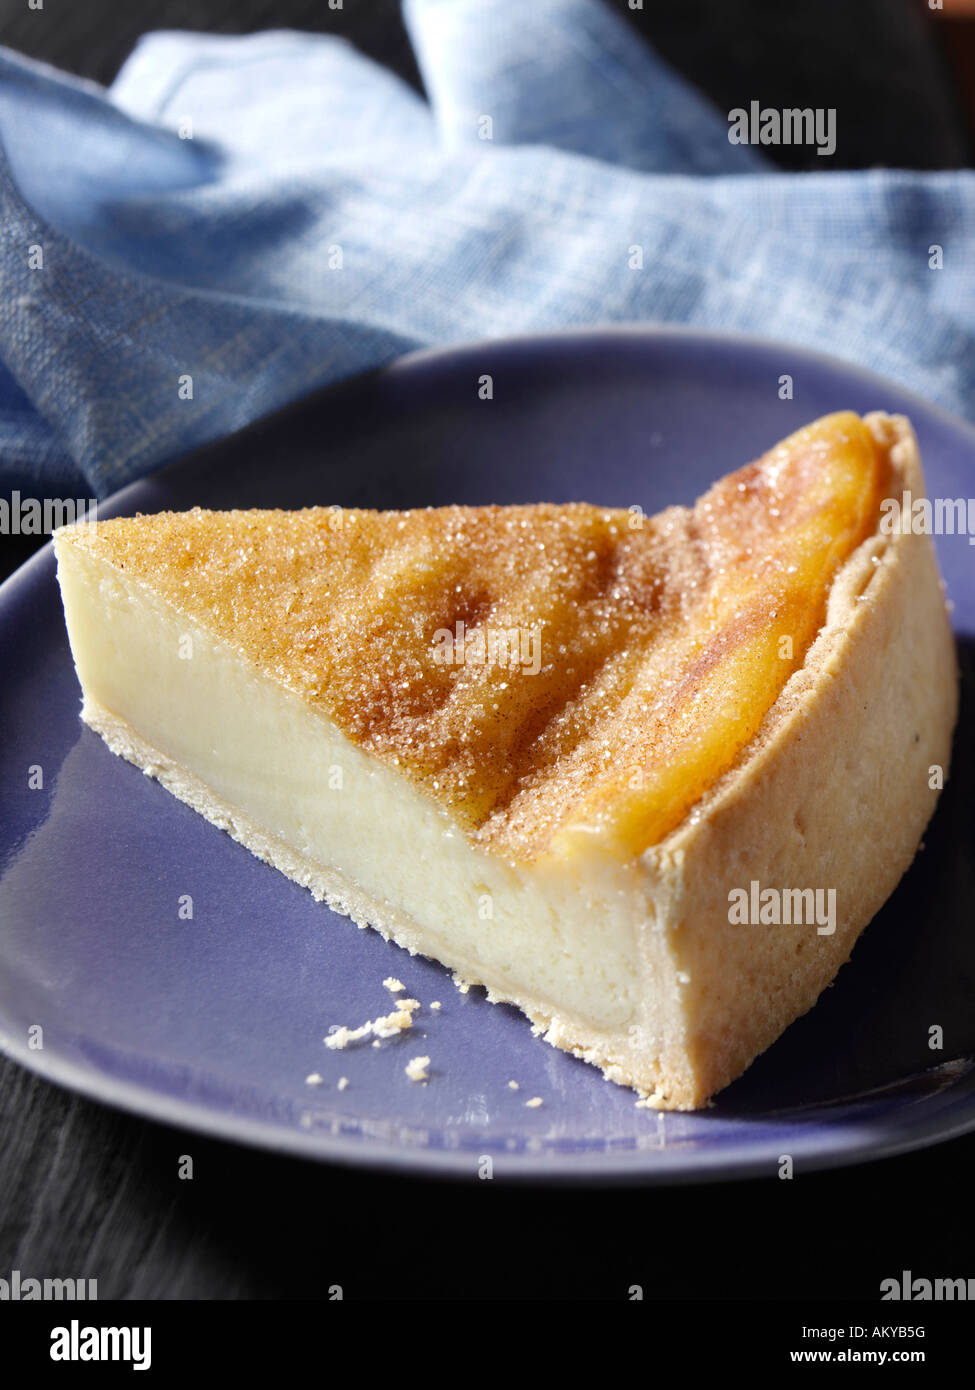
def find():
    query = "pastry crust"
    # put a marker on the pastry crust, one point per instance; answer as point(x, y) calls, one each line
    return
point(833, 793)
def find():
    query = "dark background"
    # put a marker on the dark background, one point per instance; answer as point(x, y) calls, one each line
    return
point(88, 1192)
point(890, 67)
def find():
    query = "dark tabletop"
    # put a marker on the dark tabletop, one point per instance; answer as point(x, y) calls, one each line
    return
point(91, 1192)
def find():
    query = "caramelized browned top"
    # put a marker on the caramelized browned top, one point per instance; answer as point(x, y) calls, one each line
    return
point(657, 641)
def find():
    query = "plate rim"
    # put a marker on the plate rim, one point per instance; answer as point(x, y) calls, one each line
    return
point(627, 1167)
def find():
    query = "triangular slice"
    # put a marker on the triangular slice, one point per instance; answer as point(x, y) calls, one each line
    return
point(564, 750)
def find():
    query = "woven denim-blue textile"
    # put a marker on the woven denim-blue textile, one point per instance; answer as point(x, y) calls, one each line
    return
point(264, 215)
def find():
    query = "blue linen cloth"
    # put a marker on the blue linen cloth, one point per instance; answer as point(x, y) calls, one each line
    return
point(267, 214)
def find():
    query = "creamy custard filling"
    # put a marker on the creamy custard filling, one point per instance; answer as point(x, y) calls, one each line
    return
point(282, 764)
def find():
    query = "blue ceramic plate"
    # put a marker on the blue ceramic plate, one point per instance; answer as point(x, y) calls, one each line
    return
point(215, 1022)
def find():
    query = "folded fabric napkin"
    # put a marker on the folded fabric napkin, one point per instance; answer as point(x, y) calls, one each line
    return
point(237, 221)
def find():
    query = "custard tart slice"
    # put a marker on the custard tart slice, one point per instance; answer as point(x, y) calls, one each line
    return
point(647, 778)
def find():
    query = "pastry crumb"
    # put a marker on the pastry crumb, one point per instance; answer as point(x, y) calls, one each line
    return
point(416, 1069)
point(343, 1082)
point(411, 1004)
point(386, 1026)
point(534, 1103)
point(436, 1004)
point(513, 1086)
point(462, 984)
point(391, 1024)
point(393, 985)
point(340, 1037)
point(314, 1079)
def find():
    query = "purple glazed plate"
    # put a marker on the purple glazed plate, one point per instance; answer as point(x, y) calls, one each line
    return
point(215, 1022)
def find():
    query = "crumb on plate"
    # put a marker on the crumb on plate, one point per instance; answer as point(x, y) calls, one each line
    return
point(416, 1069)
point(386, 1026)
